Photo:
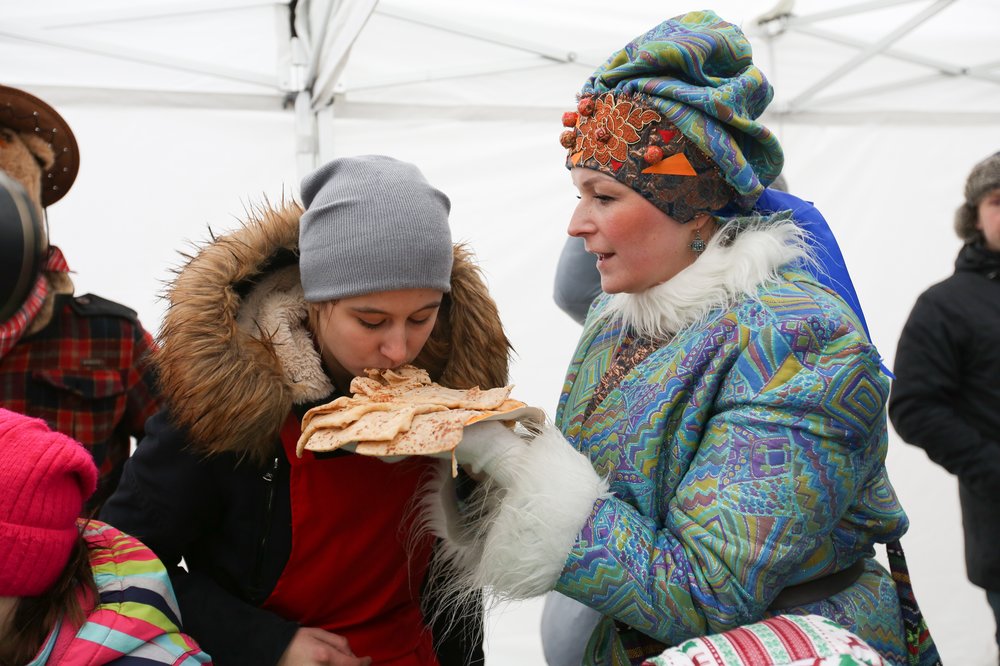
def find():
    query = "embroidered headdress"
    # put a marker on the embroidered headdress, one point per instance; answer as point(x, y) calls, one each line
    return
point(673, 115)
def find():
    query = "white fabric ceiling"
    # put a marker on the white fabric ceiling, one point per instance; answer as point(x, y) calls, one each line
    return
point(186, 113)
point(236, 53)
point(957, 37)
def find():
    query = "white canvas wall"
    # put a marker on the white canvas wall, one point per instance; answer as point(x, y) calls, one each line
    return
point(158, 168)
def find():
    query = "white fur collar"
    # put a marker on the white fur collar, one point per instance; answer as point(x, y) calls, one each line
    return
point(720, 276)
point(276, 310)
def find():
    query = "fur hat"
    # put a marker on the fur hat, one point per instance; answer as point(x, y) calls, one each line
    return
point(984, 178)
point(45, 477)
point(38, 148)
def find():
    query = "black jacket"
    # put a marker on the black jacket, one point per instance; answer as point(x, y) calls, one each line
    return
point(230, 519)
point(946, 397)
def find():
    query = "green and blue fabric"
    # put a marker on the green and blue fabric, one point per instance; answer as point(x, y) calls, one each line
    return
point(744, 455)
point(697, 71)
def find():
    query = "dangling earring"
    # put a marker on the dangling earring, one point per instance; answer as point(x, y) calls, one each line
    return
point(697, 245)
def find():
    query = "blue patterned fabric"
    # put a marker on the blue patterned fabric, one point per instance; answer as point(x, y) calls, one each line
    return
point(697, 71)
point(831, 268)
point(744, 455)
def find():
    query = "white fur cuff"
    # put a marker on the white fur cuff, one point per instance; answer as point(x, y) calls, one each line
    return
point(547, 503)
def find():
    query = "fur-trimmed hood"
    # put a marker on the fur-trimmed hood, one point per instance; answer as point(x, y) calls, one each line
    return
point(235, 354)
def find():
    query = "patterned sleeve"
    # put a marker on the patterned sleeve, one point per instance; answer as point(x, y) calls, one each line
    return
point(136, 617)
point(794, 435)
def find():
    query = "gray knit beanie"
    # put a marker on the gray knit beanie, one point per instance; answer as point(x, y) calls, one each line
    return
point(984, 178)
point(371, 224)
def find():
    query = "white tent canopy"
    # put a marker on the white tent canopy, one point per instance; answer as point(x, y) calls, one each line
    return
point(188, 112)
point(882, 56)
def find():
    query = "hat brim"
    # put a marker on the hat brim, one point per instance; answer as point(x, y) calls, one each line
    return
point(23, 112)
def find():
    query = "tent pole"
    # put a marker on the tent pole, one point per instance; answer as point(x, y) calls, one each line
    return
point(869, 52)
point(306, 127)
point(939, 65)
point(136, 55)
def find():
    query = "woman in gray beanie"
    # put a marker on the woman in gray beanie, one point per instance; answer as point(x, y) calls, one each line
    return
point(947, 390)
point(308, 560)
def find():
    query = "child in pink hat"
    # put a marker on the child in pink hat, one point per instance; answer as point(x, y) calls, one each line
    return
point(73, 591)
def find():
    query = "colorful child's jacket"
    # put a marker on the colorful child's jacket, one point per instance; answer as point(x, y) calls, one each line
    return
point(135, 618)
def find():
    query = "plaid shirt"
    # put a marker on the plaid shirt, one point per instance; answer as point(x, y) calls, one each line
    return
point(88, 374)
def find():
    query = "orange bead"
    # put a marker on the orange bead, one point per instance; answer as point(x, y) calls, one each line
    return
point(653, 155)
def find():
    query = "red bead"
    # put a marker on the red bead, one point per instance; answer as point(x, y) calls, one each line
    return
point(653, 155)
point(602, 134)
point(586, 106)
point(568, 139)
point(569, 119)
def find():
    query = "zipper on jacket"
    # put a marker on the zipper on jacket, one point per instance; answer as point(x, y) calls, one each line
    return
point(269, 478)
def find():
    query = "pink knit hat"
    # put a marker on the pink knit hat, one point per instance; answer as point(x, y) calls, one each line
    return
point(45, 477)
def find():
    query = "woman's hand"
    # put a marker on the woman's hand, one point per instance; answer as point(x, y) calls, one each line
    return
point(315, 647)
point(491, 448)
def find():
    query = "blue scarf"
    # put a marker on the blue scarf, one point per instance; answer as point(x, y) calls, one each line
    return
point(831, 270)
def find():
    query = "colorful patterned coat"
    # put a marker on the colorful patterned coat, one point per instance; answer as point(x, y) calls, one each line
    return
point(744, 455)
point(135, 619)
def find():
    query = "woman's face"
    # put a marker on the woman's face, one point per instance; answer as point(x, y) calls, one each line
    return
point(989, 219)
point(382, 330)
point(637, 245)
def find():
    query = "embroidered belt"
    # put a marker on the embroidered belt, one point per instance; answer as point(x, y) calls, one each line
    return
point(817, 589)
point(639, 646)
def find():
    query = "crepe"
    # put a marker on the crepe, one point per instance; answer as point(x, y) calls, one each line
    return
point(397, 413)
point(410, 384)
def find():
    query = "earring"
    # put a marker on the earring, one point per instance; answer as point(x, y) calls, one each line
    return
point(697, 245)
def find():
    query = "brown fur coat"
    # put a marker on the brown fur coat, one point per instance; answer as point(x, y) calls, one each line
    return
point(235, 353)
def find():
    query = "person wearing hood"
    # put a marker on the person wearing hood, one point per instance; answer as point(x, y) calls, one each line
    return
point(718, 452)
point(308, 560)
point(74, 591)
point(946, 397)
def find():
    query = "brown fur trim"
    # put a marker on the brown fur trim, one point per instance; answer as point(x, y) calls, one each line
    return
point(468, 347)
point(40, 148)
point(224, 386)
point(19, 160)
point(227, 387)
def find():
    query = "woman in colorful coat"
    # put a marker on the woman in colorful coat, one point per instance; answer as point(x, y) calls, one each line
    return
point(308, 560)
point(74, 592)
point(720, 447)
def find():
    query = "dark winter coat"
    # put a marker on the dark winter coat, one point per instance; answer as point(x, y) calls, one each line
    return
point(210, 482)
point(946, 397)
